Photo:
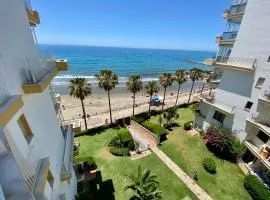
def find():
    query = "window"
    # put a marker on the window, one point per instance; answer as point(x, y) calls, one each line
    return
point(27, 132)
point(260, 82)
point(262, 136)
point(248, 105)
point(50, 178)
point(268, 60)
point(219, 116)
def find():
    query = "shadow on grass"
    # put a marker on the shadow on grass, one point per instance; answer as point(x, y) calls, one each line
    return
point(98, 189)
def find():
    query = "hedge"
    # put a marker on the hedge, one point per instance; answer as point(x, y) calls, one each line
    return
point(256, 188)
point(209, 165)
point(188, 125)
point(94, 131)
point(119, 151)
point(156, 129)
point(124, 135)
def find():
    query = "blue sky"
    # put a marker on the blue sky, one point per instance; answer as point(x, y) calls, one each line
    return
point(166, 24)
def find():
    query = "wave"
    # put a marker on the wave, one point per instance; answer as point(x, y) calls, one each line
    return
point(64, 80)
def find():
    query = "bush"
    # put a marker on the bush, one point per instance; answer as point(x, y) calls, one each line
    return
point(209, 165)
point(115, 142)
point(138, 119)
point(119, 151)
point(223, 143)
point(85, 163)
point(158, 130)
point(188, 126)
point(256, 188)
point(131, 145)
point(96, 130)
point(124, 135)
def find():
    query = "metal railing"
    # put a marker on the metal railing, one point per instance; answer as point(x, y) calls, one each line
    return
point(4, 94)
point(35, 69)
point(237, 61)
point(236, 9)
point(66, 168)
point(230, 35)
point(266, 94)
point(31, 165)
point(28, 5)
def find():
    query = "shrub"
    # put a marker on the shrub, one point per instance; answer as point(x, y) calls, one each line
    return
point(124, 135)
point(138, 119)
point(115, 142)
point(96, 130)
point(131, 145)
point(256, 188)
point(158, 130)
point(209, 165)
point(119, 151)
point(188, 125)
point(223, 143)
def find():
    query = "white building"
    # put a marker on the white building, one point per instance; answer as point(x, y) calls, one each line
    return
point(36, 149)
point(242, 101)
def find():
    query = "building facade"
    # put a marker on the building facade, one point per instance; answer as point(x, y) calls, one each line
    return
point(36, 147)
point(242, 100)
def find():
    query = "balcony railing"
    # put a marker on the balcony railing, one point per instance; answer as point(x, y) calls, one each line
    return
point(237, 61)
point(266, 94)
point(31, 166)
point(236, 9)
point(36, 69)
point(229, 35)
point(67, 167)
point(4, 94)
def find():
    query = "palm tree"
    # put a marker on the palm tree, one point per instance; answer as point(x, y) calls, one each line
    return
point(144, 185)
point(166, 80)
point(150, 88)
point(107, 80)
point(134, 85)
point(180, 77)
point(195, 74)
point(80, 89)
point(170, 116)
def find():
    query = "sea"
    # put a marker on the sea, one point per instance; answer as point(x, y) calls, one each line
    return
point(86, 61)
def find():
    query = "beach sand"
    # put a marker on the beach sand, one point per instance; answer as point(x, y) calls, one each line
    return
point(97, 102)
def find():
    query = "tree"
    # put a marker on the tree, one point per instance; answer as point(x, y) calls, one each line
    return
point(134, 85)
point(195, 74)
point(144, 185)
point(180, 77)
point(170, 116)
point(80, 89)
point(150, 88)
point(107, 80)
point(166, 80)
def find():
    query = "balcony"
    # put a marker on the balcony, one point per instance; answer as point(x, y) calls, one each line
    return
point(35, 170)
point(261, 153)
point(67, 167)
point(33, 15)
point(265, 98)
point(9, 104)
point(38, 73)
point(265, 127)
point(232, 63)
point(61, 65)
point(227, 38)
point(236, 12)
point(222, 107)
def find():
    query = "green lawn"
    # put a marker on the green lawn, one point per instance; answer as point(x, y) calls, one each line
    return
point(115, 168)
point(188, 152)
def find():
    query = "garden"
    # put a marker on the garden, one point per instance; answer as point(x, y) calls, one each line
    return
point(111, 176)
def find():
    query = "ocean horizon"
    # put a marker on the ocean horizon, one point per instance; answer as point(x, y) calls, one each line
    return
point(86, 61)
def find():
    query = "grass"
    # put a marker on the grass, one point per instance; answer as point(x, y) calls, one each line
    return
point(113, 169)
point(189, 151)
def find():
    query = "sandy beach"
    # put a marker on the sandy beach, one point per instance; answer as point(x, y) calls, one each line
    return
point(96, 105)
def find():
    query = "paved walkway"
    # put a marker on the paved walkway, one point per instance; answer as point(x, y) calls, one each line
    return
point(197, 190)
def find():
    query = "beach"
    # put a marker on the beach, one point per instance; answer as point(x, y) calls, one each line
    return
point(96, 105)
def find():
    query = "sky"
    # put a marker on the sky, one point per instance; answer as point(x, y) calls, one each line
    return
point(164, 24)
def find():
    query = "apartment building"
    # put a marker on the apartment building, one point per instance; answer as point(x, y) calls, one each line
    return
point(242, 100)
point(36, 147)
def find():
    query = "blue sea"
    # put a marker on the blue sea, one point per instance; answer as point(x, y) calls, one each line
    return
point(86, 61)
